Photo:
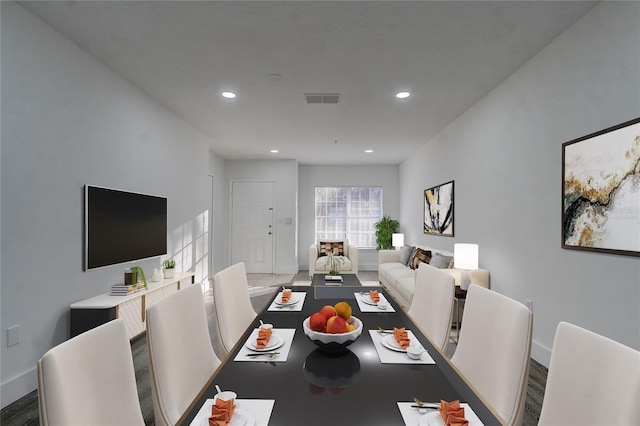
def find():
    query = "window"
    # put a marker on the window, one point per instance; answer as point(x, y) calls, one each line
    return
point(348, 212)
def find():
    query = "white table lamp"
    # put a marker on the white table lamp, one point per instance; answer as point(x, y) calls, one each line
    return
point(397, 240)
point(465, 256)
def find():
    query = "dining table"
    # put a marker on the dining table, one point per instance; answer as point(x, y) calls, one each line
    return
point(306, 386)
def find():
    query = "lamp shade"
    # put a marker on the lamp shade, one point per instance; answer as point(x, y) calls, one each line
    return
point(465, 256)
point(397, 240)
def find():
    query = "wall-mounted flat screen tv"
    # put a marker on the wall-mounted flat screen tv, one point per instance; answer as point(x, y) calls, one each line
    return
point(122, 226)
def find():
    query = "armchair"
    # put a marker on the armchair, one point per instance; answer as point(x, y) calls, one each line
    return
point(341, 248)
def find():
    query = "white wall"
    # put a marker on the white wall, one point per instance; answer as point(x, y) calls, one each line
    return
point(385, 176)
point(67, 121)
point(284, 175)
point(505, 157)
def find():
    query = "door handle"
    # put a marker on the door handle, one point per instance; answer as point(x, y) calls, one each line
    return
point(269, 233)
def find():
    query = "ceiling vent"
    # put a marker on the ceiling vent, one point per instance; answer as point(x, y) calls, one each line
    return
point(322, 98)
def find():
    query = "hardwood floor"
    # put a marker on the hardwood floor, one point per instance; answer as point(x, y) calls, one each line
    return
point(25, 410)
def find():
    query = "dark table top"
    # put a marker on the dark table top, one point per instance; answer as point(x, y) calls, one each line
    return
point(350, 389)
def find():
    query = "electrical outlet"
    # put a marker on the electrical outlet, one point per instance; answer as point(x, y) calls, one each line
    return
point(530, 304)
point(13, 335)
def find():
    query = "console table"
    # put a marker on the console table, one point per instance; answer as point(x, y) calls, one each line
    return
point(89, 313)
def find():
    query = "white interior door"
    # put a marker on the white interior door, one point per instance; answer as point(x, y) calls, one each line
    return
point(252, 226)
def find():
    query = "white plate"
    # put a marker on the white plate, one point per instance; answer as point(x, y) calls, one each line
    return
point(240, 417)
point(431, 419)
point(292, 300)
point(367, 299)
point(274, 343)
point(389, 342)
point(434, 418)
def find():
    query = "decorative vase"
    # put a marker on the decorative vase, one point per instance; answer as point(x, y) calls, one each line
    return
point(169, 273)
point(157, 275)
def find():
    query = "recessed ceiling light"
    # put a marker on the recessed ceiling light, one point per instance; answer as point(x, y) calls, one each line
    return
point(228, 95)
point(368, 151)
point(274, 151)
point(403, 95)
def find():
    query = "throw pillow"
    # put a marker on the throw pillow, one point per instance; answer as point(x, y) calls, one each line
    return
point(419, 256)
point(440, 261)
point(337, 248)
point(405, 254)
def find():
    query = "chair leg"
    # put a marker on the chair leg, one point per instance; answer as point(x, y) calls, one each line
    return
point(458, 320)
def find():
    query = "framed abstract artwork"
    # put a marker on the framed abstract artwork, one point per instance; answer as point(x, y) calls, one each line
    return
point(601, 191)
point(438, 210)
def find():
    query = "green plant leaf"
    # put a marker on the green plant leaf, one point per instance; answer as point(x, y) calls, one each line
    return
point(385, 228)
point(138, 271)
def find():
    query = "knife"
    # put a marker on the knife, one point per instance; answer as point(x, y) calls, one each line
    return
point(269, 354)
point(427, 405)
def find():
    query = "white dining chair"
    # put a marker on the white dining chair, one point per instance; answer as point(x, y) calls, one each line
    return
point(234, 311)
point(432, 304)
point(90, 380)
point(592, 380)
point(493, 350)
point(181, 357)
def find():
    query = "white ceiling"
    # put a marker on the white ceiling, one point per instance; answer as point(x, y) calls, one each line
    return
point(184, 54)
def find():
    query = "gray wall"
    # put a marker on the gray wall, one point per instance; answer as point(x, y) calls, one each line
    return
point(312, 176)
point(284, 175)
point(220, 211)
point(505, 157)
point(67, 121)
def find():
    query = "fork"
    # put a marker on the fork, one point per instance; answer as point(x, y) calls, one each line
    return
point(286, 306)
point(425, 405)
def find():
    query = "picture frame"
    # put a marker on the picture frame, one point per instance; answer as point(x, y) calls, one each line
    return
point(439, 210)
point(601, 191)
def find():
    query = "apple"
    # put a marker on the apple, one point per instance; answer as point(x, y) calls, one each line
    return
point(336, 325)
point(317, 322)
point(328, 311)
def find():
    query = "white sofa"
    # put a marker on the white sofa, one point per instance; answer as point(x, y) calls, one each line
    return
point(317, 263)
point(400, 280)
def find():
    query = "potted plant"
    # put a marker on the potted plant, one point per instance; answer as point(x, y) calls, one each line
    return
point(385, 228)
point(169, 266)
point(333, 263)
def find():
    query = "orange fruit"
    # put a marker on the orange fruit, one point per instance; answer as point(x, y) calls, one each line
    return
point(343, 309)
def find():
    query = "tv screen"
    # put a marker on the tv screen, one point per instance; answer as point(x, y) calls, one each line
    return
point(123, 226)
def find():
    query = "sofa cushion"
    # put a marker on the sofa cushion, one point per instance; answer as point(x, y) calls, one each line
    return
point(335, 247)
point(440, 261)
point(321, 264)
point(405, 254)
point(419, 256)
point(406, 286)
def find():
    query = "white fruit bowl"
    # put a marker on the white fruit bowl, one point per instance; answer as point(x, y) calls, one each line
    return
point(333, 343)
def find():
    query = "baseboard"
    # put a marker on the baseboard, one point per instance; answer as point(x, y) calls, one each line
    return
point(19, 386)
point(540, 353)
